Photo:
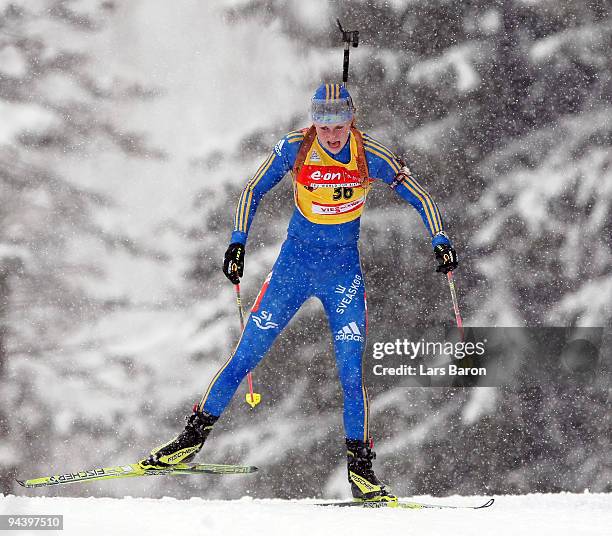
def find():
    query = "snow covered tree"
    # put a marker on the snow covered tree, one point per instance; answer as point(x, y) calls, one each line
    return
point(54, 110)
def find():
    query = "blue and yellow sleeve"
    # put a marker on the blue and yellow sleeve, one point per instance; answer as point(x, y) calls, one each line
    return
point(384, 165)
point(274, 168)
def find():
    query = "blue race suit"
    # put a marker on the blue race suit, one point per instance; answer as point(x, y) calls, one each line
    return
point(317, 259)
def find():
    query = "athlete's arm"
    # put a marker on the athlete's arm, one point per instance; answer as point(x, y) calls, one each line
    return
point(384, 165)
point(269, 174)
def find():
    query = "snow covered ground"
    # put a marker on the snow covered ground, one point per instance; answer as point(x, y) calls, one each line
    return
point(541, 514)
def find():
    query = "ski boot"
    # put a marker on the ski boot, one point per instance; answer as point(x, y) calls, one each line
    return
point(364, 484)
point(185, 446)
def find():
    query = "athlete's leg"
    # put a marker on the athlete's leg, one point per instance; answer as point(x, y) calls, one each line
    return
point(279, 299)
point(342, 293)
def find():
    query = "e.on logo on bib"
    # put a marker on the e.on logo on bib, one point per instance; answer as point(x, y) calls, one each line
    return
point(328, 176)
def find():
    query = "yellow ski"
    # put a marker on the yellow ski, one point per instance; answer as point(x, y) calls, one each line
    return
point(404, 504)
point(134, 469)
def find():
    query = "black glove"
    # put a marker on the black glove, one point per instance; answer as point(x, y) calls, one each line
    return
point(233, 263)
point(447, 258)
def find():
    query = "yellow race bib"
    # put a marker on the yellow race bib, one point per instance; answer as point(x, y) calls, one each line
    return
point(327, 191)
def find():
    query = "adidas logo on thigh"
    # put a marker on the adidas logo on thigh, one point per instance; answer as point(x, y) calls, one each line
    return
point(350, 332)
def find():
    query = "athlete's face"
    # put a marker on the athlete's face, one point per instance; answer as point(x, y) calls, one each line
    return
point(333, 137)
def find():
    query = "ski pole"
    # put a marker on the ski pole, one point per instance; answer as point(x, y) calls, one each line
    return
point(252, 398)
point(453, 291)
point(348, 38)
